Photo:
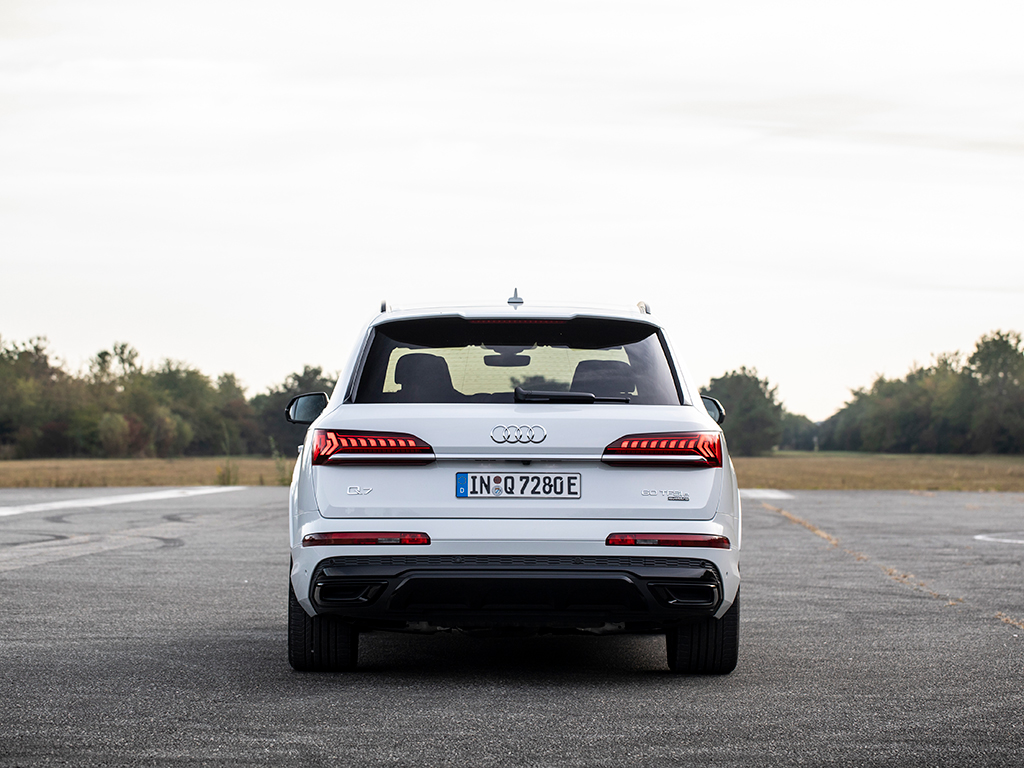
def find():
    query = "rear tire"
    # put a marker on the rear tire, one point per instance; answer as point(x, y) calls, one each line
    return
point(706, 647)
point(319, 643)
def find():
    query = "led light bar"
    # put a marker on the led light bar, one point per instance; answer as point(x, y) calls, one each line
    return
point(667, 540)
point(519, 321)
point(363, 538)
point(694, 449)
point(333, 446)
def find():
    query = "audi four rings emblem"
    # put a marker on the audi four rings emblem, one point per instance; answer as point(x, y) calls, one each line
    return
point(524, 434)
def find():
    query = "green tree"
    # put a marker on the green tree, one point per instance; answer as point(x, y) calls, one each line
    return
point(269, 408)
point(952, 397)
point(113, 430)
point(189, 394)
point(890, 417)
point(43, 410)
point(238, 415)
point(951, 406)
point(997, 368)
point(798, 432)
point(754, 422)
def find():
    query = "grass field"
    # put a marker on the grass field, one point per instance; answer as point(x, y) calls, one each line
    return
point(785, 470)
point(92, 473)
point(796, 470)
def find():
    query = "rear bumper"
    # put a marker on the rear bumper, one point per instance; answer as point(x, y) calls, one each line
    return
point(426, 592)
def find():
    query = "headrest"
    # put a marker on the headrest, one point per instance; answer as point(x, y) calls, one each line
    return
point(604, 378)
point(420, 369)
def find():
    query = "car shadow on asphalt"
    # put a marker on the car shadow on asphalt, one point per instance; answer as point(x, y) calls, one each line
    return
point(458, 654)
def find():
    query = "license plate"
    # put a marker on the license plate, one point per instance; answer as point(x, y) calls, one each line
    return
point(518, 485)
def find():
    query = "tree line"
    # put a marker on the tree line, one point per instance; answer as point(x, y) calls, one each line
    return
point(117, 407)
point(958, 404)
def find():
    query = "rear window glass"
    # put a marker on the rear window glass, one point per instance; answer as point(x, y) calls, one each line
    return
point(454, 360)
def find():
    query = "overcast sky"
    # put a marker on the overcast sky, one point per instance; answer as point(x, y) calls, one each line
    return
point(822, 191)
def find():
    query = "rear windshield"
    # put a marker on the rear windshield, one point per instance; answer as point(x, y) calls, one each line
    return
point(454, 360)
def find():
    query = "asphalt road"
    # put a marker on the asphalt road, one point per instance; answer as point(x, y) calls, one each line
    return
point(876, 630)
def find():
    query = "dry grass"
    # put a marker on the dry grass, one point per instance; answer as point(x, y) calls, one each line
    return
point(785, 470)
point(794, 470)
point(92, 473)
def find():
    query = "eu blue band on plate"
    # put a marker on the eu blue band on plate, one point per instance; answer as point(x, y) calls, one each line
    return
point(461, 484)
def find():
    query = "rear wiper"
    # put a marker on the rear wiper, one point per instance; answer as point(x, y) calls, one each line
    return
point(536, 396)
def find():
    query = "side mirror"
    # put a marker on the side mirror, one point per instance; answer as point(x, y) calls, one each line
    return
point(304, 409)
point(715, 409)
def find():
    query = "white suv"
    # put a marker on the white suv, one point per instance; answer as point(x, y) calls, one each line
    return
point(514, 468)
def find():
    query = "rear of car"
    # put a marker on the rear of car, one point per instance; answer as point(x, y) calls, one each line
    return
point(518, 469)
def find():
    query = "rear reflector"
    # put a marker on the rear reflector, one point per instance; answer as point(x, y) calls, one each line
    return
point(667, 540)
point(333, 446)
point(692, 449)
point(357, 538)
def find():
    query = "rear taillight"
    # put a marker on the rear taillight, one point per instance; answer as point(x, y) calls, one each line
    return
point(667, 540)
point(357, 538)
point(692, 449)
point(334, 446)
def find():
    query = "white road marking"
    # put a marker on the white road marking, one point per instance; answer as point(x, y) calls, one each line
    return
point(998, 538)
point(126, 498)
point(763, 493)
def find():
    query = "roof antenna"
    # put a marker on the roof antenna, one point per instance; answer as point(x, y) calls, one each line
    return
point(514, 301)
point(383, 305)
point(644, 307)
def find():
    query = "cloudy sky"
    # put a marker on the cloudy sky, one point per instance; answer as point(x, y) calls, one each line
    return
point(822, 191)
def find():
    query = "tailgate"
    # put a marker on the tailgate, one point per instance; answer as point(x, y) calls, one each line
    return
point(536, 445)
